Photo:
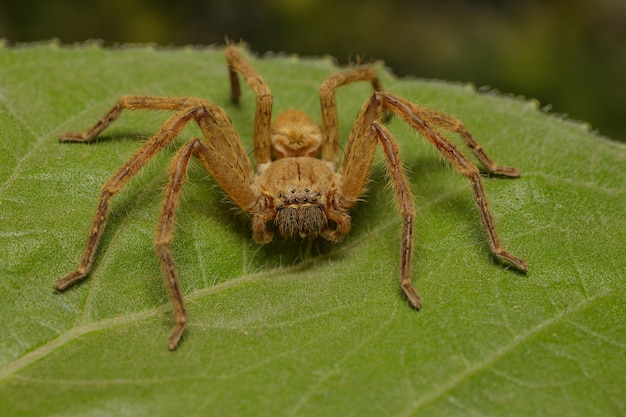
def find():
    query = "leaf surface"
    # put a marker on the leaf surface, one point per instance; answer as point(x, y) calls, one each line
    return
point(288, 328)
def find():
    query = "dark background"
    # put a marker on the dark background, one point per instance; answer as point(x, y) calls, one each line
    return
point(568, 54)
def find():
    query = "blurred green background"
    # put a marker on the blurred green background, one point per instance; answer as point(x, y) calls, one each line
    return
point(568, 54)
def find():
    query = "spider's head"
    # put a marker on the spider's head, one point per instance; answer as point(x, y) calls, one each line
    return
point(293, 133)
point(299, 190)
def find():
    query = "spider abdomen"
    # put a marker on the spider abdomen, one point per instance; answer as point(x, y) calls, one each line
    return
point(295, 134)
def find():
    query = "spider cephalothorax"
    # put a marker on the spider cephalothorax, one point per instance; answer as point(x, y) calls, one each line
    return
point(300, 195)
point(297, 188)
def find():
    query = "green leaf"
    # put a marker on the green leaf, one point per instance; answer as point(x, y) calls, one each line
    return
point(292, 329)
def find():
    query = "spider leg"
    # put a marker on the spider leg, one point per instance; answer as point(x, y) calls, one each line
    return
point(177, 173)
point(355, 168)
point(359, 153)
point(263, 116)
point(367, 131)
point(171, 128)
point(328, 105)
point(452, 124)
point(412, 114)
point(130, 103)
point(407, 210)
point(222, 155)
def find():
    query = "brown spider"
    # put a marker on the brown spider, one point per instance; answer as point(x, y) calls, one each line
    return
point(300, 193)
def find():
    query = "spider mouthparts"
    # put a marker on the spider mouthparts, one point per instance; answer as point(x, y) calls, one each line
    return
point(302, 220)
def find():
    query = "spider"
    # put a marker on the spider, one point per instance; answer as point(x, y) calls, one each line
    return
point(299, 188)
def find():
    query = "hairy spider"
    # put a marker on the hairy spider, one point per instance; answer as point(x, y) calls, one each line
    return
point(299, 192)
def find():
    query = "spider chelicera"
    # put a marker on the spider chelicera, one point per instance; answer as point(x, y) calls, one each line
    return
point(297, 189)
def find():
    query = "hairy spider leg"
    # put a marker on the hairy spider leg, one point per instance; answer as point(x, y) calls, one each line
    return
point(177, 173)
point(357, 160)
point(263, 113)
point(170, 129)
point(413, 115)
point(452, 124)
point(328, 106)
point(406, 207)
point(129, 103)
point(222, 155)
